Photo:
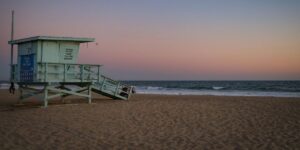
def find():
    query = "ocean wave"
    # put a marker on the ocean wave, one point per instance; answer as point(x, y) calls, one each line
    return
point(267, 86)
point(150, 87)
point(215, 92)
point(217, 87)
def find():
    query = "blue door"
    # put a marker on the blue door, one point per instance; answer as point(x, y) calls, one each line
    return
point(27, 68)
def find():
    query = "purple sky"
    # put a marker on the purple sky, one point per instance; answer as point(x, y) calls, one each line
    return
point(168, 40)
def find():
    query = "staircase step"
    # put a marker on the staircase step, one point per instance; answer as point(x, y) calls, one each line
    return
point(108, 94)
point(111, 88)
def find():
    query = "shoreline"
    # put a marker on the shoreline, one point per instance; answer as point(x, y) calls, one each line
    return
point(230, 94)
point(226, 93)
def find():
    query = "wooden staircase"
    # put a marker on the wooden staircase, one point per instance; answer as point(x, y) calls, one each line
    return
point(113, 89)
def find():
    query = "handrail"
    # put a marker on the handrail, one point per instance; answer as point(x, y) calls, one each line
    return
point(68, 63)
point(70, 72)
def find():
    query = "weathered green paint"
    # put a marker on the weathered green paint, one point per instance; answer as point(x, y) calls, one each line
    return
point(55, 62)
point(48, 49)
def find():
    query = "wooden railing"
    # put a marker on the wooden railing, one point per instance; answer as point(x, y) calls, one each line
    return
point(76, 73)
point(62, 72)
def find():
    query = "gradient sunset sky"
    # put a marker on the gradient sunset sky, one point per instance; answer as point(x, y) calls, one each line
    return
point(168, 39)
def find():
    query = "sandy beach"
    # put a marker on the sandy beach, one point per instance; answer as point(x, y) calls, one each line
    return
point(151, 122)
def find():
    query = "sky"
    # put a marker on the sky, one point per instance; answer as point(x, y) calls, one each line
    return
point(168, 39)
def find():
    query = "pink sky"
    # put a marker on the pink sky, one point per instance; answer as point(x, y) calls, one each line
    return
point(163, 41)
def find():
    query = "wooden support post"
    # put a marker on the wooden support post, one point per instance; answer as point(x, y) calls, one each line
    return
point(51, 91)
point(45, 96)
point(62, 98)
point(90, 94)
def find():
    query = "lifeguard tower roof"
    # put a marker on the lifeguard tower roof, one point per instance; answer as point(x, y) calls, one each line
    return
point(52, 38)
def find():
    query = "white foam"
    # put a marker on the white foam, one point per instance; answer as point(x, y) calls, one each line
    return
point(218, 87)
point(152, 88)
point(5, 86)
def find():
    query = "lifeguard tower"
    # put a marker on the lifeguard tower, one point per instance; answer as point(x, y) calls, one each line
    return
point(47, 65)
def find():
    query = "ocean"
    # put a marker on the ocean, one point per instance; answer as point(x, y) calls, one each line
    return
point(219, 88)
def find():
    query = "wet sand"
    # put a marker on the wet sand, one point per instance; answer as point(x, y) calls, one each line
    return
point(151, 122)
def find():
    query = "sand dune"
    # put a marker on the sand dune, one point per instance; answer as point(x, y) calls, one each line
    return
point(152, 122)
